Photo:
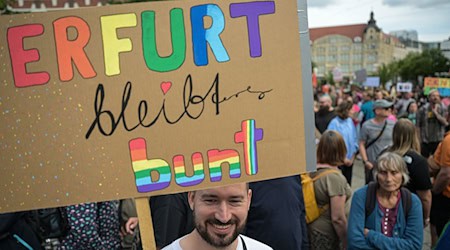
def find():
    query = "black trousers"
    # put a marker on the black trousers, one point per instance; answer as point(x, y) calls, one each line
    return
point(347, 171)
point(428, 149)
point(440, 211)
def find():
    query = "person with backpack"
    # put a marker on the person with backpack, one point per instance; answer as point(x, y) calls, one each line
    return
point(329, 230)
point(384, 215)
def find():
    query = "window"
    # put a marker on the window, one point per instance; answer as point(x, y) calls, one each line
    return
point(331, 58)
point(319, 58)
point(344, 57)
point(357, 66)
point(345, 48)
point(357, 57)
point(345, 68)
point(371, 58)
point(321, 50)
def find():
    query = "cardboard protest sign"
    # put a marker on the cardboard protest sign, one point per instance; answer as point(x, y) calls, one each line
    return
point(143, 99)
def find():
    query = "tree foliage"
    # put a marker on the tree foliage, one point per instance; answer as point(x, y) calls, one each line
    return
point(427, 63)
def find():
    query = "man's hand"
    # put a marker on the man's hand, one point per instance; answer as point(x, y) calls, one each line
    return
point(131, 224)
point(366, 232)
point(348, 162)
point(368, 165)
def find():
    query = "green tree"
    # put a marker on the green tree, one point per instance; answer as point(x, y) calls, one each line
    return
point(388, 72)
point(426, 63)
point(313, 65)
point(4, 4)
point(329, 78)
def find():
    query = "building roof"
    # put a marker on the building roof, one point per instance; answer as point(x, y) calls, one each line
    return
point(350, 31)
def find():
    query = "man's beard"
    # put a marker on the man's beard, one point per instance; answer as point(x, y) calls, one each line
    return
point(323, 110)
point(216, 240)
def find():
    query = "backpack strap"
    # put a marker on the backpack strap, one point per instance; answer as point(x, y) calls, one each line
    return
point(318, 176)
point(325, 172)
point(406, 200)
point(371, 197)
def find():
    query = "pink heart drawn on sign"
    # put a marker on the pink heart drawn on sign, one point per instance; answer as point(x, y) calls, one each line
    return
point(165, 86)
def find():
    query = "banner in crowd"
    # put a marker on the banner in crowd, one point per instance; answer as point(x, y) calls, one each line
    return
point(372, 81)
point(150, 98)
point(441, 84)
point(404, 87)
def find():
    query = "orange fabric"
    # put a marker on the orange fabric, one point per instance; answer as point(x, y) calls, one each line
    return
point(442, 157)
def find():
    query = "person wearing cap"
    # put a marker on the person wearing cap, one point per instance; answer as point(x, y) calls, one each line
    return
point(375, 135)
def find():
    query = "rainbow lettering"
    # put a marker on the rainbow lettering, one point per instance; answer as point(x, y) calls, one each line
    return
point(180, 170)
point(249, 135)
point(216, 158)
point(72, 54)
point(142, 168)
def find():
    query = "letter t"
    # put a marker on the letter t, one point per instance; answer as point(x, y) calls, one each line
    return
point(252, 11)
point(249, 135)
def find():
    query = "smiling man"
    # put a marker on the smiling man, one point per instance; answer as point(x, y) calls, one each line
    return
point(220, 215)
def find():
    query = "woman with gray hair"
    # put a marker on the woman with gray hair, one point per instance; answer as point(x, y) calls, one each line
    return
point(383, 215)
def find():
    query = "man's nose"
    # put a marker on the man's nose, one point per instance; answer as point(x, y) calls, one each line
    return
point(223, 213)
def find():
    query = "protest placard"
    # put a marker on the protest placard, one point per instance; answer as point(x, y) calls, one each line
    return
point(441, 84)
point(404, 87)
point(372, 81)
point(136, 100)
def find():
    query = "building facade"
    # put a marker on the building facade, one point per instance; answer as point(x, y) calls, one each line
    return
point(445, 48)
point(350, 48)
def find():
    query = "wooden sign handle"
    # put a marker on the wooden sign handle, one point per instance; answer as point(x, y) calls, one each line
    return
point(145, 224)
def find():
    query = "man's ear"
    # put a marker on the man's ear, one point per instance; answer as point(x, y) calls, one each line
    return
point(191, 196)
point(249, 197)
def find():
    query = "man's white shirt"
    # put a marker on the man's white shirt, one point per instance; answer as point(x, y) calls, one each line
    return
point(250, 244)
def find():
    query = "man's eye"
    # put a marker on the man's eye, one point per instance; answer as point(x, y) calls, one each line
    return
point(210, 201)
point(235, 202)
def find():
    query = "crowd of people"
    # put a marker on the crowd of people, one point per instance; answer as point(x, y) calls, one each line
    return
point(402, 142)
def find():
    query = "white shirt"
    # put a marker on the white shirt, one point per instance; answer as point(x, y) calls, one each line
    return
point(250, 243)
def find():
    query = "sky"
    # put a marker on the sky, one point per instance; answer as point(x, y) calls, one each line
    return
point(430, 18)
